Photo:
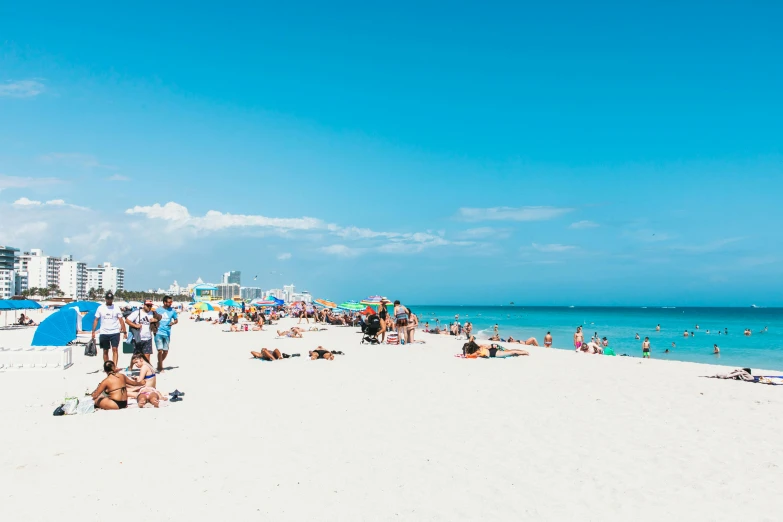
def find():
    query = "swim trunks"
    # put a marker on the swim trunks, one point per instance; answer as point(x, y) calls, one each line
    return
point(106, 341)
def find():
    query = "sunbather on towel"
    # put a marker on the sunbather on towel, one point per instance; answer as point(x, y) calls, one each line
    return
point(320, 353)
point(266, 355)
point(489, 350)
point(532, 341)
point(293, 333)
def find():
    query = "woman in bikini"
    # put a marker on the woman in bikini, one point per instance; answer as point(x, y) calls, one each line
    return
point(531, 342)
point(320, 353)
point(295, 333)
point(489, 350)
point(266, 355)
point(401, 320)
point(115, 386)
point(413, 323)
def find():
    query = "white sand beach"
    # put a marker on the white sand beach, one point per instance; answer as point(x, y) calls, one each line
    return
point(392, 433)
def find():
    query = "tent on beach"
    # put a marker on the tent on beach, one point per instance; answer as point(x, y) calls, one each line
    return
point(58, 329)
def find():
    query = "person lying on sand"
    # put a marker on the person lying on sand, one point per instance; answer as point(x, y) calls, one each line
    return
point(489, 350)
point(266, 355)
point(532, 341)
point(495, 338)
point(150, 395)
point(115, 386)
point(293, 333)
point(320, 353)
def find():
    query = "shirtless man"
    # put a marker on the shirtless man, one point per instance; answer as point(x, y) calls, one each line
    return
point(548, 340)
point(646, 348)
point(578, 338)
point(685, 334)
point(658, 328)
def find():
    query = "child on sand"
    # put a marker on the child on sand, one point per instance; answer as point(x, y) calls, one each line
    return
point(646, 348)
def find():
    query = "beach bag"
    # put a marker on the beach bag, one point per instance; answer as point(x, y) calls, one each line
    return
point(90, 350)
point(86, 405)
point(70, 405)
point(128, 347)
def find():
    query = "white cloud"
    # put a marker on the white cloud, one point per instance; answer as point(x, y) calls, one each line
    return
point(553, 247)
point(584, 224)
point(73, 159)
point(15, 182)
point(512, 214)
point(22, 88)
point(713, 246)
point(486, 233)
point(67, 240)
point(118, 177)
point(25, 202)
point(213, 220)
point(284, 256)
point(341, 250)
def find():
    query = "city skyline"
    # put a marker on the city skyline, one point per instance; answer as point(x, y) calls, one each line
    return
point(543, 154)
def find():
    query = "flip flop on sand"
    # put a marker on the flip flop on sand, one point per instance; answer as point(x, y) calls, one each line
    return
point(176, 398)
point(177, 393)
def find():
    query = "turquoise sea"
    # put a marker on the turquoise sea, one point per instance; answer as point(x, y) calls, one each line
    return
point(620, 326)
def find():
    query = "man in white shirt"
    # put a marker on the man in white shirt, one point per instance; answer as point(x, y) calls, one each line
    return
point(112, 325)
point(140, 321)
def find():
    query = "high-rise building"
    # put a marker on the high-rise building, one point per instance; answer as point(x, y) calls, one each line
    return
point(107, 277)
point(7, 271)
point(276, 293)
point(73, 278)
point(42, 271)
point(232, 278)
point(288, 292)
point(249, 293)
point(227, 291)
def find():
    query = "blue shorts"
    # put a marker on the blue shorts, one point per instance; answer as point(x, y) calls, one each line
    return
point(162, 342)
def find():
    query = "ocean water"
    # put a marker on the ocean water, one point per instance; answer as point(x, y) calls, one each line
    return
point(620, 326)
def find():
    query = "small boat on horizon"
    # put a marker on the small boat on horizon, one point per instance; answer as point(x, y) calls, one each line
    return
point(753, 306)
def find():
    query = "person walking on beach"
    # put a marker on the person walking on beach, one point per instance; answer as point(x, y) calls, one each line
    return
point(112, 325)
point(168, 318)
point(579, 338)
point(548, 340)
point(140, 322)
point(646, 348)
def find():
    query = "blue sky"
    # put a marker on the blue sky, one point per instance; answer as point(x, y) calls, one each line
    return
point(469, 153)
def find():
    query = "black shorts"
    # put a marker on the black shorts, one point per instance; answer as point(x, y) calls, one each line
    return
point(106, 341)
point(144, 347)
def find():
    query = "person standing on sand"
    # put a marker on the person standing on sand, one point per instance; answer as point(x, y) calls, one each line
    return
point(140, 320)
point(383, 315)
point(579, 338)
point(401, 320)
point(646, 348)
point(168, 318)
point(413, 323)
point(112, 325)
point(548, 340)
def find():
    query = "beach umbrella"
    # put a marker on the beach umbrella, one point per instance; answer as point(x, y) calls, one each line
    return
point(90, 307)
point(229, 303)
point(351, 306)
point(325, 303)
point(204, 307)
point(368, 311)
point(264, 302)
point(58, 329)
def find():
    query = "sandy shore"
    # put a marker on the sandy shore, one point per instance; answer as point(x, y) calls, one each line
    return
point(393, 433)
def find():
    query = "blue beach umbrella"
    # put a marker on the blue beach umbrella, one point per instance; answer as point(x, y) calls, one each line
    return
point(58, 329)
point(85, 306)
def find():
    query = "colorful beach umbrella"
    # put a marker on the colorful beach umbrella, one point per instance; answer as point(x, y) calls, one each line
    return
point(204, 307)
point(263, 302)
point(327, 304)
point(351, 306)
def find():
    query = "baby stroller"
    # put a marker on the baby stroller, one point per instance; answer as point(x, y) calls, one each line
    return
point(370, 330)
